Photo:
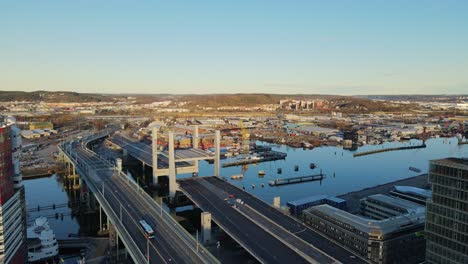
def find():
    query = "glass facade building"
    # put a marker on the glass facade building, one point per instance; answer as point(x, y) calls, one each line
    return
point(447, 212)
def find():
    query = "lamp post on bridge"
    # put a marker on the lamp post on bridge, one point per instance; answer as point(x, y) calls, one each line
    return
point(147, 251)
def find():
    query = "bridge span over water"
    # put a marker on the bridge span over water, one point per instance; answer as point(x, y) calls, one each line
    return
point(125, 204)
point(265, 232)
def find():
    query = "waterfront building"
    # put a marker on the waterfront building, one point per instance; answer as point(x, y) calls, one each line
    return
point(379, 206)
point(393, 240)
point(447, 212)
point(412, 194)
point(12, 202)
point(296, 207)
point(42, 244)
point(41, 125)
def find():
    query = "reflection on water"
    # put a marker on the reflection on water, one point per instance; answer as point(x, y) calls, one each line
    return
point(45, 192)
point(344, 173)
point(73, 214)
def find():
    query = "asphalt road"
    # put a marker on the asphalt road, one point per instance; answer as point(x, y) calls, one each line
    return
point(261, 244)
point(171, 243)
point(143, 152)
point(289, 223)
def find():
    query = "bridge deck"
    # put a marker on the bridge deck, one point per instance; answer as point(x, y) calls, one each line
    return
point(288, 223)
point(265, 240)
point(143, 152)
point(128, 204)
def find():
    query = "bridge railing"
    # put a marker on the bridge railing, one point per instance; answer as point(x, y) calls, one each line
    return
point(192, 248)
point(127, 239)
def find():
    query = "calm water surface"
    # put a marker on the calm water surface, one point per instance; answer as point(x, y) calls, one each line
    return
point(350, 174)
point(47, 191)
point(344, 173)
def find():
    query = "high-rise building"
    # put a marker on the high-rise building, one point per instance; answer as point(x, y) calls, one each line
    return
point(447, 212)
point(12, 205)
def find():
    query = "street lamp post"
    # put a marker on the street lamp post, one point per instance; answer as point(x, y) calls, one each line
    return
point(147, 251)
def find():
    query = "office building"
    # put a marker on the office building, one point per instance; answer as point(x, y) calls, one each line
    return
point(379, 206)
point(296, 207)
point(393, 240)
point(12, 205)
point(447, 212)
point(412, 194)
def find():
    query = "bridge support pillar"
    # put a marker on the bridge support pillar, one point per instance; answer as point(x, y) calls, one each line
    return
point(195, 140)
point(117, 244)
point(276, 202)
point(118, 161)
point(100, 218)
point(154, 150)
point(124, 152)
point(217, 146)
point(172, 168)
point(206, 227)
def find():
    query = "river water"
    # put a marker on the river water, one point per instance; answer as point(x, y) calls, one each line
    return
point(344, 173)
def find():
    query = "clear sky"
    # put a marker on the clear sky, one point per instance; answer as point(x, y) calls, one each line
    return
point(327, 47)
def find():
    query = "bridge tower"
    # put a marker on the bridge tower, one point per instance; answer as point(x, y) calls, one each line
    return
point(217, 152)
point(195, 143)
point(172, 167)
point(154, 148)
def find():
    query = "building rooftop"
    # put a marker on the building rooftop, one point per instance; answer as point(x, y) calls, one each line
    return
point(335, 199)
point(309, 199)
point(453, 161)
point(414, 190)
point(367, 225)
point(404, 204)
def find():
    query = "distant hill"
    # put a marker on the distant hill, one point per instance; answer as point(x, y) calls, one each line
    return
point(340, 103)
point(217, 100)
point(46, 96)
point(418, 97)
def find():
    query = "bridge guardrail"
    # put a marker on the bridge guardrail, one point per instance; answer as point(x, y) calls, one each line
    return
point(186, 237)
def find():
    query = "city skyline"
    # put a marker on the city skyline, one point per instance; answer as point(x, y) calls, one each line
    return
point(247, 47)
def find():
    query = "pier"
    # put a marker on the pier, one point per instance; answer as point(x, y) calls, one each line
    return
point(387, 149)
point(267, 156)
point(293, 180)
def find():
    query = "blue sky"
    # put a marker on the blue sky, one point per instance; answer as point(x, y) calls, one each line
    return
point(327, 47)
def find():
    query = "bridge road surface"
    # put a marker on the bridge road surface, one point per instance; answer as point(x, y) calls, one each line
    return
point(260, 243)
point(143, 152)
point(166, 247)
point(288, 223)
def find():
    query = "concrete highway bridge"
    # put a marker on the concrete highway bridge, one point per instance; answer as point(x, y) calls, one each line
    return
point(125, 204)
point(264, 231)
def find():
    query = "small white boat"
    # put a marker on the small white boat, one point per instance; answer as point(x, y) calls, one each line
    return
point(237, 176)
point(261, 173)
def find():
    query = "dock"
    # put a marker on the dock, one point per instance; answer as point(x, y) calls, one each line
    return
point(293, 180)
point(387, 149)
point(267, 156)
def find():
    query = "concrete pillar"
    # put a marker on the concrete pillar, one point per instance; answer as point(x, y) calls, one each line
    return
point(124, 152)
point(195, 139)
point(172, 168)
point(100, 218)
point(217, 145)
point(206, 226)
point(276, 202)
point(154, 147)
point(118, 161)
